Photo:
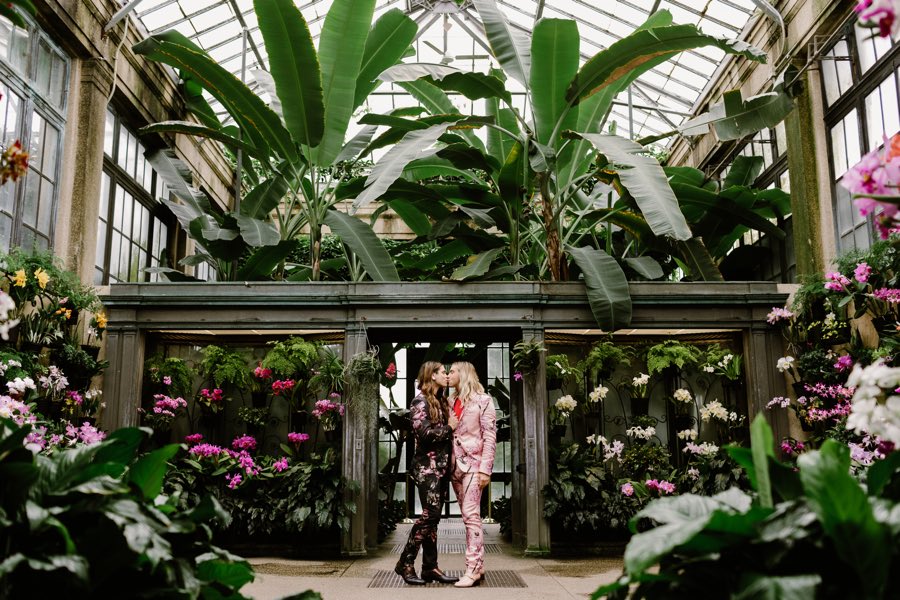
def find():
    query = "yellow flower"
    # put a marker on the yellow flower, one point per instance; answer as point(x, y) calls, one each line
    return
point(42, 277)
point(101, 320)
point(20, 278)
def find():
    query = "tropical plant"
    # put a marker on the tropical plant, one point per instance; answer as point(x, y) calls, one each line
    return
point(224, 366)
point(605, 356)
point(529, 180)
point(293, 358)
point(810, 531)
point(90, 522)
point(672, 353)
point(170, 374)
point(527, 354)
point(298, 142)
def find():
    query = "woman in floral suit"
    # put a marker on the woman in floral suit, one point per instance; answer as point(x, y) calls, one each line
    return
point(431, 423)
point(474, 445)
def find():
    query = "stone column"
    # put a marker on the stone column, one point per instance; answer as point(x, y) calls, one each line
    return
point(763, 344)
point(79, 209)
point(123, 379)
point(537, 463)
point(517, 452)
point(355, 457)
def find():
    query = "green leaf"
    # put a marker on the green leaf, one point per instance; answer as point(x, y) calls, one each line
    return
point(258, 121)
point(121, 445)
point(150, 470)
point(881, 473)
point(357, 144)
point(756, 586)
point(436, 102)
point(226, 572)
point(414, 218)
point(341, 48)
point(478, 265)
point(743, 171)
point(188, 128)
point(446, 253)
point(360, 238)
point(698, 260)
point(645, 180)
point(386, 171)
point(646, 267)
point(644, 49)
point(735, 117)
point(294, 67)
point(725, 210)
point(607, 288)
point(509, 45)
point(762, 446)
point(846, 516)
point(388, 39)
point(555, 58)
point(260, 264)
point(474, 86)
point(264, 198)
point(257, 232)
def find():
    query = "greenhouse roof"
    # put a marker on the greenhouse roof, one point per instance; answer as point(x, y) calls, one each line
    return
point(451, 33)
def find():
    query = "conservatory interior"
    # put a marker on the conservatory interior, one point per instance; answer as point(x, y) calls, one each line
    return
point(663, 235)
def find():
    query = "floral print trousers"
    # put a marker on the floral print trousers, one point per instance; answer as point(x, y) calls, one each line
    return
point(424, 530)
point(468, 493)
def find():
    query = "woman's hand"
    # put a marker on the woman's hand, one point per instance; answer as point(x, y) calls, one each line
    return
point(483, 480)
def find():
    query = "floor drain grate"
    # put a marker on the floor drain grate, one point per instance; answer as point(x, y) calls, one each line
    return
point(455, 549)
point(492, 579)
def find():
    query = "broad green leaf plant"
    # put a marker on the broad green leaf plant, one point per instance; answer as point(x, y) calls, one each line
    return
point(527, 185)
point(294, 146)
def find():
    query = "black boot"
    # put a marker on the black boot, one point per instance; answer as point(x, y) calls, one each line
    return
point(408, 573)
point(436, 574)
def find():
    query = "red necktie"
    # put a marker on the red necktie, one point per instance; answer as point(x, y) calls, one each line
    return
point(457, 409)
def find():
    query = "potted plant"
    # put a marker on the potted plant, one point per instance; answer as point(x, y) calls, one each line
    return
point(672, 355)
point(640, 394)
point(605, 357)
point(559, 371)
point(526, 355)
point(225, 366)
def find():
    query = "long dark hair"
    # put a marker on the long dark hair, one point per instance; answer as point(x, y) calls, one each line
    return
point(437, 408)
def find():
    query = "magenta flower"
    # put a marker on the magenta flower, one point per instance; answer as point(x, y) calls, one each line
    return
point(167, 380)
point(297, 438)
point(836, 282)
point(778, 314)
point(194, 438)
point(628, 489)
point(261, 373)
point(233, 480)
point(281, 464)
point(517, 376)
point(843, 363)
point(206, 450)
point(245, 442)
point(889, 295)
point(862, 272)
point(280, 386)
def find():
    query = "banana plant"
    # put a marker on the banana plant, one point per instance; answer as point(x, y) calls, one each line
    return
point(535, 169)
point(300, 139)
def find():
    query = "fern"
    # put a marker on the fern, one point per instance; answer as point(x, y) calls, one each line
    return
point(225, 366)
point(672, 353)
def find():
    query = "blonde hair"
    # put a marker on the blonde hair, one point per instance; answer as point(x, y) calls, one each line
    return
point(436, 408)
point(468, 381)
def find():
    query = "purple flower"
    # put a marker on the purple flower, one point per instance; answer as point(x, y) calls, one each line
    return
point(628, 489)
point(281, 464)
point(206, 450)
point(843, 363)
point(233, 480)
point(167, 380)
point(517, 376)
point(245, 442)
point(194, 438)
point(297, 438)
point(862, 272)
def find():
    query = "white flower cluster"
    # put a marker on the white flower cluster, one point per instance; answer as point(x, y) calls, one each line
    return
point(725, 360)
point(594, 439)
point(705, 449)
point(687, 434)
point(682, 395)
point(4, 366)
point(7, 306)
point(598, 394)
point(19, 385)
point(785, 363)
point(641, 433)
point(694, 473)
point(875, 407)
point(613, 450)
point(642, 379)
point(713, 410)
point(565, 404)
point(709, 369)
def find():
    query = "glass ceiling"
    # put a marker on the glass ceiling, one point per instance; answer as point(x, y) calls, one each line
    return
point(661, 99)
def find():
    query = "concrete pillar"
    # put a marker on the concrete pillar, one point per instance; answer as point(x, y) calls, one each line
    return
point(764, 345)
point(78, 239)
point(355, 456)
point(518, 491)
point(123, 379)
point(537, 461)
point(807, 161)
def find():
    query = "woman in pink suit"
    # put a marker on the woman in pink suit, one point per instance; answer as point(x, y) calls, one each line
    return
point(474, 444)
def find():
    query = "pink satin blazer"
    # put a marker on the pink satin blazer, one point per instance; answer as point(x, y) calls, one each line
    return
point(475, 438)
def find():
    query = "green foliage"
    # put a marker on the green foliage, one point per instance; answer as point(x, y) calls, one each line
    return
point(225, 366)
point(645, 461)
point(88, 522)
point(255, 417)
point(292, 358)
point(558, 367)
point(501, 511)
point(672, 353)
point(823, 535)
point(158, 367)
point(329, 375)
point(526, 354)
point(605, 356)
point(715, 474)
point(307, 498)
point(390, 512)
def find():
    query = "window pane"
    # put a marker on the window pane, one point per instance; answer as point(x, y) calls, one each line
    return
point(51, 151)
point(838, 150)
point(45, 216)
point(109, 132)
point(30, 208)
point(57, 93)
point(127, 211)
point(43, 69)
point(36, 144)
point(118, 208)
point(829, 78)
point(104, 197)
point(122, 150)
point(5, 33)
point(145, 228)
point(843, 66)
point(115, 250)
point(5, 232)
point(784, 181)
point(100, 255)
point(19, 50)
point(882, 112)
point(10, 104)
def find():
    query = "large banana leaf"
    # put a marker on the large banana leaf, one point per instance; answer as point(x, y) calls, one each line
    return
point(258, 121)
point(414, 218)
point(389, 38)
point(554, 51)
point(645, 180)
point(357, 144)
point(743, 171)
point(257, 232)
point(476, 266)
point(294, 67)
point(473, 86)
point(509, 45)
point(341, 48)
point(436, 101)
point(500, 143)
point(188, 128)
point(698, 260)
point(360, 238)
point(653, 46)
point(724, 209)
point(260, 264)
point(415, 144)
point(196, 103)
point(607, 288)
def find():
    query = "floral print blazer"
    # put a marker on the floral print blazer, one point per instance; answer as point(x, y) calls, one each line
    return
point(432, 442)
point(475, 438)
